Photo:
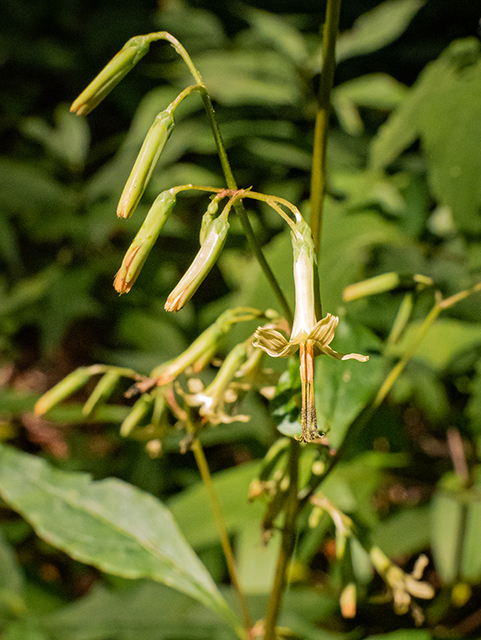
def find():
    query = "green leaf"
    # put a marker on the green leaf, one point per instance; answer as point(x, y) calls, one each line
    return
point(250, 77)
point(11, 581)
point(343, 388)
point(109, 524)
point(443, 110)
point(404, 533)
point(24, 629)
point(403, 634)
point(277, 32)
point(68, 141)
point(377, 28)
point(443, 341)
point(144, 610)
point(190, 507)
point(376, 91)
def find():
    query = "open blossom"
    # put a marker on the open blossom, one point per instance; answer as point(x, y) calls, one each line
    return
point(310, 336)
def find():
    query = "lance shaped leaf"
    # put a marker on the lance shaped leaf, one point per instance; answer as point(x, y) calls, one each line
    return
point(109, 524)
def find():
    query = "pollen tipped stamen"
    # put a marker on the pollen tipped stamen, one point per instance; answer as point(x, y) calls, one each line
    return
point(308, 408)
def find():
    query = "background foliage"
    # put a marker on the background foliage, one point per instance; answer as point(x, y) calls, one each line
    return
point(404, 163)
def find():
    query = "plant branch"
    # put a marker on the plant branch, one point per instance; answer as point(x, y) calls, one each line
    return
point(229, 176)
point(287, 543)
point(318, 176)
point(224, 537)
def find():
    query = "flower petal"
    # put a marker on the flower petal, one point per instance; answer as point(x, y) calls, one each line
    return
point(323, 331)
point(274, 343)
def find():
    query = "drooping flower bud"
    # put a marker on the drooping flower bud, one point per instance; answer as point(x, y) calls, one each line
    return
point(202, 264)
point(111, 75)
point(141, 408)
point(144, 165)
point(144, 241)
point(102, 392)
point(65, 388)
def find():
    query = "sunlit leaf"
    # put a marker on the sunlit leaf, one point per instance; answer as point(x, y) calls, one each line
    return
point(109, 524)
point(443, 110)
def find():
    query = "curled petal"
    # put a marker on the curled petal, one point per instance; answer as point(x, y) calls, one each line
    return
point(274, 343)
point(343, 356)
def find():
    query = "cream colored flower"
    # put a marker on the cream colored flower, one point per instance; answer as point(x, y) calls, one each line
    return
point(310, 336)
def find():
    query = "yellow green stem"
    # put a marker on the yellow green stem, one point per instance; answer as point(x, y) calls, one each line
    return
point(224, 537)
point(287, 543)
point(318, 176)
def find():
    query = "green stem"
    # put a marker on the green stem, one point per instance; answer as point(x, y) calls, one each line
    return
point(229, 176)
point(318, 176)
point(287, 544)
point(224, 537)
point(240, 209)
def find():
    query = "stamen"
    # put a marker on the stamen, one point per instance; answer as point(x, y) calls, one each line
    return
point(308, 408)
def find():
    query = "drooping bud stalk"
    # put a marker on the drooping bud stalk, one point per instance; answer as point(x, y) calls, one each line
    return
point(65, 388)
point(144, 241)
point(200, 353)
point(202, 264)
point(144, 165)
point(111, 75)
point(209, 217)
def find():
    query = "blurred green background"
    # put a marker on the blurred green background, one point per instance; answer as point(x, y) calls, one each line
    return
point(404, 195)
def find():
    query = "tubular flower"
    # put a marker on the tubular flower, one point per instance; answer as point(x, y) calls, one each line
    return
point(310, 336)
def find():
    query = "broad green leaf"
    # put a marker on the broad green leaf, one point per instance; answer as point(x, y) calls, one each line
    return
point(277, 32)
point(68, 141)
point(376, 29)
point(25, 629)
point(256, 562)
point(343, 388)
point(443, 341)
point(351, 236)
point(145, 610)
point(446, 529)
point(403, 634)
point(190, 507)
point(404, 533)
point(250, 77)
point(377, 91)
point(25, 188)
point(11, 581)
point(109, 524)
point(443, 110)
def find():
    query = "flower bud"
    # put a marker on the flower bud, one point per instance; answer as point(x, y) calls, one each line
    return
point(378, 284)
point(202, 264)
point(348, 601)
point(141, 408)
point(65, 388)
point(149, 154)
point(102, 392)
point(144, 241)
point(111, 75)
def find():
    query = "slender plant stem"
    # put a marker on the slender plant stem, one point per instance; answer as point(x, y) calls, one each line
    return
point(318, 176)
point(240, 209)
point(287, 543)
point(229, 176)
point(224, 538)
